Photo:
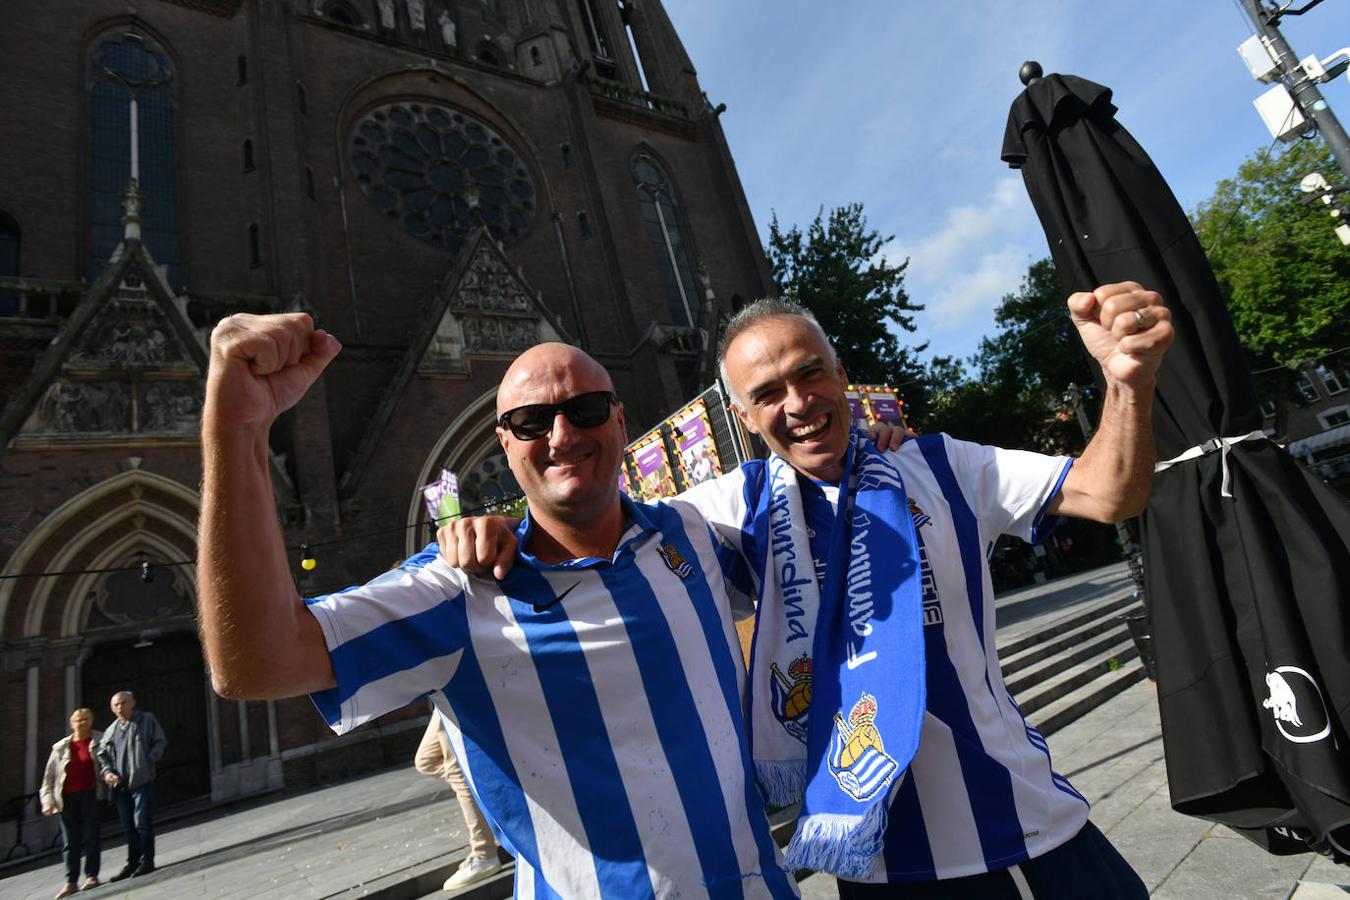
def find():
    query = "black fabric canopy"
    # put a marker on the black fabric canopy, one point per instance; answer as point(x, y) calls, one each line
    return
point(1248, 595)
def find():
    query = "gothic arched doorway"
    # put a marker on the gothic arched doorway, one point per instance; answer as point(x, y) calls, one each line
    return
point(167, 676)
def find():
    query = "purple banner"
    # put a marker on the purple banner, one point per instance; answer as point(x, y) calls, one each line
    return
point(698, 451)
point(855, 405)
point(654, 477)
point(885, 406)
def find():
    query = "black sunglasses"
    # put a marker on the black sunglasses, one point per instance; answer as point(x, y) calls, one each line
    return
point(535, 420)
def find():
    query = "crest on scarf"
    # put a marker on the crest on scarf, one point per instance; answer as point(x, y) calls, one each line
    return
point(857, 758)
point(674, 561)
point(921, 518)
point(792, 696)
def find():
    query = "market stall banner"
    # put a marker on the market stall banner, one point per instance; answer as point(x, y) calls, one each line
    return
point(855, 405)
point(693, 437)
point(885, 405)
point(654, 474)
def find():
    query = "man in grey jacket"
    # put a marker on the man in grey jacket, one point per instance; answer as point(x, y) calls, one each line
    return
point(131, 746)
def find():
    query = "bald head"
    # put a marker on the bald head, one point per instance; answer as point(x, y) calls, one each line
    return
point(550, 367)
point(569, 471)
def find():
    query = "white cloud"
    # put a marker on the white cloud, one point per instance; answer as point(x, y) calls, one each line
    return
point(968, 229)
point(972, 295)
point(978, 254)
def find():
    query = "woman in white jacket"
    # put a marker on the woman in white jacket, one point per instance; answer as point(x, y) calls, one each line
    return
point(71, 787)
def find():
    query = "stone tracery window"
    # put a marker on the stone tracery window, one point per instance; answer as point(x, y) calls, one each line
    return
point(438, 171)
point(487, 482)
point(663, 232)
point(121, 64)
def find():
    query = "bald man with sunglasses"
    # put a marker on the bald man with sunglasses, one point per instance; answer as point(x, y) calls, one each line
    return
point(592, 696)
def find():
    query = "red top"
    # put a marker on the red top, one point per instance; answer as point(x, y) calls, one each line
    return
point(80, 769)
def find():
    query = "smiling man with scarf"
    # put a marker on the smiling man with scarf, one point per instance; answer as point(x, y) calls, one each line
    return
point(919, 776)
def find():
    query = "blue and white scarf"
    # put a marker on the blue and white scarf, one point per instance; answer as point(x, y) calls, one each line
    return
point(836, 692)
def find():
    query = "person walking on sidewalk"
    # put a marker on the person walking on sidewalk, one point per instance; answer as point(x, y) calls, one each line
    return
point(434, 757)
point(72, 785)
point(132, 745)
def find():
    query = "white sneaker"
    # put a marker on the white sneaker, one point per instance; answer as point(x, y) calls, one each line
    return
point(471, 870)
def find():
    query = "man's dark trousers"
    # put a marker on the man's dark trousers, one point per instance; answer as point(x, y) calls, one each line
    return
point(133, 808)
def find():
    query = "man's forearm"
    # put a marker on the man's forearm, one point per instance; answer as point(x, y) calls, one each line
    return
point(259, 639)
point(1111, 481)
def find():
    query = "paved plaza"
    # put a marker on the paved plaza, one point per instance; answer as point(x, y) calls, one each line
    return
point(398, 834)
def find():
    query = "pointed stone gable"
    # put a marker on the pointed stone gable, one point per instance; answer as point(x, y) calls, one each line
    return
point(487, 310)
point(127, 367)
point(483, 308)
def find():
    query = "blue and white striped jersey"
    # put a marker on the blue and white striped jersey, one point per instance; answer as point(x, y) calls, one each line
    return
point(980, 793)
point(595, 706)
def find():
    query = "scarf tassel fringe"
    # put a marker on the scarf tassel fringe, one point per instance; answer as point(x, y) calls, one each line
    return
point(847, 846)
point(782, 783)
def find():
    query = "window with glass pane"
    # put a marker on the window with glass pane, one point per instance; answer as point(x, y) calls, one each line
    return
point(595, 31)
point(9, 262)
point(1304, 389)
point(1333, 378)
point(1335, 418)
point(663, 233)
point(121, 64)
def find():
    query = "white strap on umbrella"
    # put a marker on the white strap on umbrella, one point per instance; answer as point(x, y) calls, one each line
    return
point(1223, 445)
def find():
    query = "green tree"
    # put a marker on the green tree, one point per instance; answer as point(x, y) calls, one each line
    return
point(969, 408)
point(1283, 271)
point(1016, 396)
point(1037, 345)
point(836, 269)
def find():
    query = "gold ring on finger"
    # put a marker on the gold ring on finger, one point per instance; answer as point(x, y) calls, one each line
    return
point(1140, 320)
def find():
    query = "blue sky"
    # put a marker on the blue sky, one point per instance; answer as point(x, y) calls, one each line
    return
point(902, 106)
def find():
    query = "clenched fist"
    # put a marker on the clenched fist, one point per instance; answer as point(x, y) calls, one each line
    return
point(262, 365)
point(1126, 329)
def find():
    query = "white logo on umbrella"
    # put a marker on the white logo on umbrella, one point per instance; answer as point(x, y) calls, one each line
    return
point(1283, 703)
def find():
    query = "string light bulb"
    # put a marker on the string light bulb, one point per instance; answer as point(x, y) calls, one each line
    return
point(147, 573)
point(307, 560)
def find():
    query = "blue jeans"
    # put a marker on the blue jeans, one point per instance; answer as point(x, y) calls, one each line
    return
point(133, 809)
point(79, 829)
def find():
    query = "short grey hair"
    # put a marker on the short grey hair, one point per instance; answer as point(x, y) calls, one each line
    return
point(754, 314)
point(128, 694)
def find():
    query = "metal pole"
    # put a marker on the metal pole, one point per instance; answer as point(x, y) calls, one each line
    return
point(1304, 89)
point(135, 140)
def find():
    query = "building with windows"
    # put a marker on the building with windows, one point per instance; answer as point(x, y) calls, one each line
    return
point(441, 183)
point(1319, 417)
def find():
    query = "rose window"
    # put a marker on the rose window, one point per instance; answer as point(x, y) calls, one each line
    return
point(439, 172)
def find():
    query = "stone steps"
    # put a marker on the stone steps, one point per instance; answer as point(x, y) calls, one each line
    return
point(1073, 663)
point(1054, 631)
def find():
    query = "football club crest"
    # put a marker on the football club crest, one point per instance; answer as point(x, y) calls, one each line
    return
point(858, 760)
point(921, 518)
point(792, 696)
point(674, 561)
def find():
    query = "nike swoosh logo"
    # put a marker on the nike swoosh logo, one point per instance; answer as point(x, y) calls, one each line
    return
point(540, 607)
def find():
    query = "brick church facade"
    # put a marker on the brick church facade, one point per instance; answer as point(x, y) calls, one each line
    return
point(440, 183)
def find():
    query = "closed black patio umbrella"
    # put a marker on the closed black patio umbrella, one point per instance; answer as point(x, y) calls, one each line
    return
point(1246, 555)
